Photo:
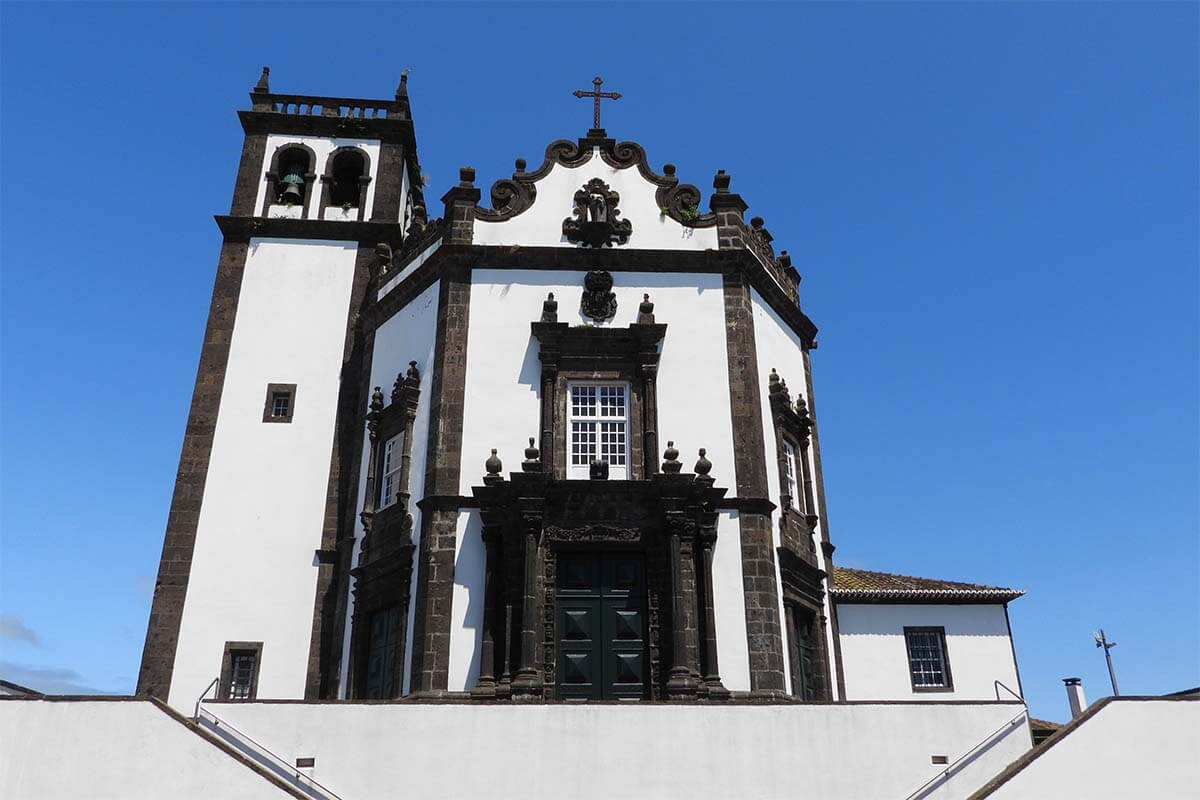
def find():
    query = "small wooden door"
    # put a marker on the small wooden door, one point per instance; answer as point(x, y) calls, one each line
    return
point(600, 625)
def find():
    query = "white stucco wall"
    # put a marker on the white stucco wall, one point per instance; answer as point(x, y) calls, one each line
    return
point(114, 750)
point(778, 347)
point(406, 336)
point(637, 750)
point(264, 498)
point(1131, 748)
point(541, 223)
point(502, 410)
point(875, 660)
point(322, 146)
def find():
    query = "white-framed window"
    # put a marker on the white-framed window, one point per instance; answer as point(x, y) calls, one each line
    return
point(790, 471)
point(928, 662)
point(598, 420)
point(390, 470)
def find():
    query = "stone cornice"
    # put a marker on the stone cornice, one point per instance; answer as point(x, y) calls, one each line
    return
point(613, 260)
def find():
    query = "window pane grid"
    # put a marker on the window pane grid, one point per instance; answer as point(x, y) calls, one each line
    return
point(279, 405)
point(790, 469)
point(599, 425)
point(242, 676)
point(925, 658)
point(391, 471)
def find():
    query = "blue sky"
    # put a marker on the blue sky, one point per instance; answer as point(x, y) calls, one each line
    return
point(994, 208)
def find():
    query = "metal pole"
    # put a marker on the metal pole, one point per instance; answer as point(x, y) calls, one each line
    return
point(1102, 641)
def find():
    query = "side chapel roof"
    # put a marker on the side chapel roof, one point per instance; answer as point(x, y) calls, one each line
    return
point(861, 584)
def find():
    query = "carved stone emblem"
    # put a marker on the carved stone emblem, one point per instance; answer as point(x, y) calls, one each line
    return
point(594, 221)
point(598, 302)
point(593, 533)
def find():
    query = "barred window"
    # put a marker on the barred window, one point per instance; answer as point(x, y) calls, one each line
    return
point(790, 469)
point(242, 676)
point(599, 425)
point(928, 664)
point(239, 671)
point(390, 458)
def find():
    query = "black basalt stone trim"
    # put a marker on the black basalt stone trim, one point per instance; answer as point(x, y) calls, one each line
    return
point(340, 493)
point(581, 259)
point(763, 627)
point(249, 175)
point(170, 590)
point(241, 229)
point(512, 196)
point(348, 516)
point(827, 546)
point(384, 130)
point(435, 562)
point(389, 183)
point(752, 505)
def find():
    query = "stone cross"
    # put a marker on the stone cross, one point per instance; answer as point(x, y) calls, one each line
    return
point(596, 94)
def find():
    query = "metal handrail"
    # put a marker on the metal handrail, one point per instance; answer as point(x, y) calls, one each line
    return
point(196, 713)
point(305, 782)
point(946, 771)
point(997, 686)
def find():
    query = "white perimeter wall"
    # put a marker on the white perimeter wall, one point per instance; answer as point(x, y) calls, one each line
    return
point(778, 347)
point(114, 750)
point(503, 409)
point(541, 223)
point(407, 336)
point(253, 574)
point(875, 659)
point(1140, 748)
point(322, 146)
point(855, 752)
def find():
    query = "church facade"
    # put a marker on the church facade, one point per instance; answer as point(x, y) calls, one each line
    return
point(558, 447)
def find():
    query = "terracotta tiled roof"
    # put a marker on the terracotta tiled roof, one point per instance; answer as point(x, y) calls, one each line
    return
point(861, 584)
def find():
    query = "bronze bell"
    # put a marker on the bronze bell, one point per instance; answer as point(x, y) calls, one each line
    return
point(293, 187)
point(292, 195)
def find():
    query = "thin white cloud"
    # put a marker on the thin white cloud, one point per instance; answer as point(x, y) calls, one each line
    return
point(13, 629)
point(48, 680)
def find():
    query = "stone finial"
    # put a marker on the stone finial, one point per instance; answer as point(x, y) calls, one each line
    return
point(645, 311)
point(774, 384)
point(703, 465)
point(263, 86)
point(519, 166)
point(785, 260)
point(671, 464)
point(402, 89)
point(377, 399)
point(550, 308)
point(533, 458)
point(466, 177)
point(493, 465)
point(721, 182)
point(383, 258)
point(669, 170)
point(756, 223)
point(413, 372)
point(397, 386)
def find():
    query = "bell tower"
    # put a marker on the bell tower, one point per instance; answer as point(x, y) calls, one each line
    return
point(326, 188)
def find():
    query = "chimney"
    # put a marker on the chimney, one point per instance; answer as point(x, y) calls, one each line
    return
point(1075, 696)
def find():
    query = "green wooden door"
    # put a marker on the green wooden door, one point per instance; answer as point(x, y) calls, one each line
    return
point(601, 627)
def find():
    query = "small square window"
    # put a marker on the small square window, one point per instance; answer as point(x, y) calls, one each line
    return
point(280, 403)
point(928, 661)
point(239, 670)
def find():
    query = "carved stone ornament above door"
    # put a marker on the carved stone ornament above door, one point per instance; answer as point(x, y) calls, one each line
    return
point(594, 221)
point(598, 302)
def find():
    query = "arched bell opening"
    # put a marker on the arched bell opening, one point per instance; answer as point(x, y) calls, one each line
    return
point(344, 184)
point(289, 180)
